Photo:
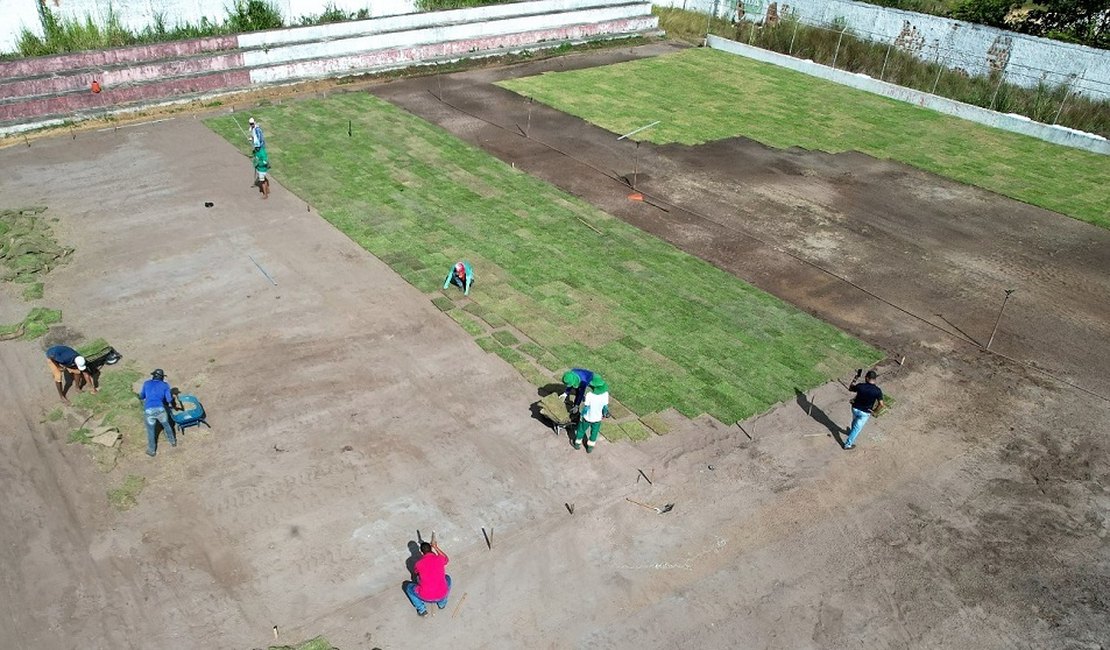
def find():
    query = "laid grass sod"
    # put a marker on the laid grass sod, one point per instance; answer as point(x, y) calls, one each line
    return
point(665, 328)
point(701, 95)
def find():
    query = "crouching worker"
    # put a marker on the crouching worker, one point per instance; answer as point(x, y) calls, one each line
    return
point(67, 366)
point(157, 398)
point(578, 380)
point(461, 275)
point(432, 584)
point(594, 408)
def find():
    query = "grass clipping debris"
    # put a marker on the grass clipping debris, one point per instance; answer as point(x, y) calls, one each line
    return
point(27, 246)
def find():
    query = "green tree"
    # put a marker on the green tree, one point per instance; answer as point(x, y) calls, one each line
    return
point(1078, 21)
point(985, 12)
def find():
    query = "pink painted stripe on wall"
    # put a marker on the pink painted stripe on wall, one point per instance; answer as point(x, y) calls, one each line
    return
point(111, 77)
point(111, 98)
point(42, 65)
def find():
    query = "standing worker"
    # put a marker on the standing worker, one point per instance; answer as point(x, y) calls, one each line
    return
point(868, 400)
point(432, 584)
point(594, 409)
point(262, 168)
point(578, 380)
point(65, 362)
point(461, 275)
point(256, 138)
point(156, 397)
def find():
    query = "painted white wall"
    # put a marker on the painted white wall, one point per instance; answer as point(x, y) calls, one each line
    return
point(416, 21)
point(138, 14)
point(431, 34)
point(1029, 60)
point(1007, 122)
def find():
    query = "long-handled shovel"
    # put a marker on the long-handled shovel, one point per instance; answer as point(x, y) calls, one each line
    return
point(665, 509)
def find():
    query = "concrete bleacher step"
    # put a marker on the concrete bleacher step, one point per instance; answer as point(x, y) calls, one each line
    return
point(52, 90)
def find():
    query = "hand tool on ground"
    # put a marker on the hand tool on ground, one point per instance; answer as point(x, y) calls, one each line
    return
point(665, 509)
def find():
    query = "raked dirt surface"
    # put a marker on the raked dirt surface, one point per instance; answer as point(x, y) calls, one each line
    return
point(348, 413)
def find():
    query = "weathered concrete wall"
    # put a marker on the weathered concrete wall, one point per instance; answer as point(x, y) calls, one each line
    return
point(1014, 123)
point(139, 14)
point(976, 49)
point(47, 90)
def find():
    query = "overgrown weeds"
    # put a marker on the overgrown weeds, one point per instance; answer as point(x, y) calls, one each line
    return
point(61, 35)
point(440, 5)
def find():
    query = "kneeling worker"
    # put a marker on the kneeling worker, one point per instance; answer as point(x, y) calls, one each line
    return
point(461, 275)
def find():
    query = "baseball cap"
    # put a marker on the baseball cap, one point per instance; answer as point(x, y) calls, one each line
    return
point(80, 363)
point(871, 374)
point(250, 121)
point(158, 374)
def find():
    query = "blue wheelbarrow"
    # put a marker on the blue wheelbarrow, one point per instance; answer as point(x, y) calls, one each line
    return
point(191, 413)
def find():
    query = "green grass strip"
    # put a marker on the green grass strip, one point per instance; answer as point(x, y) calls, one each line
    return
point(418, 198)
point(701, 95)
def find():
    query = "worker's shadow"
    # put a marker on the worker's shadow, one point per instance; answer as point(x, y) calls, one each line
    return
point(410, 565)
point(410, 561)
point(819, 416)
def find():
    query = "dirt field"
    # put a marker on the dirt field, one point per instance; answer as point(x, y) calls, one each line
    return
point(973, 515)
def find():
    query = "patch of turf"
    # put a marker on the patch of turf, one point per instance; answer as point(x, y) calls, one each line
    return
point(126, 496)
point(635, 430)
point(532, 350)
point(319, 643)
point(27, 247)
point(617, 410)
point(612, 432)
point(32, 291)
point(116, 404)
point(487, 343)
point(54, 415)
point(656, 423)
point(736, 96)
point(532, 374)
point(405, 191)
point(34, 325)
point(510, 355)
point(505, 337)
point(443, 303)
point(79, 436)
point(469, 324)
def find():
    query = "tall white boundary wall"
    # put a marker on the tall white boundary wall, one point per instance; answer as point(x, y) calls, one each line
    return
point(976, 49)
point(1007, 122)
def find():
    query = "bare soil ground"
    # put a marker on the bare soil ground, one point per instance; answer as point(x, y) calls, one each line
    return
point(973, 515)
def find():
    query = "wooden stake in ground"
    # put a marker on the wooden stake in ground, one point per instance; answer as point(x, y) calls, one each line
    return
point(459, 606)
point(489, 543)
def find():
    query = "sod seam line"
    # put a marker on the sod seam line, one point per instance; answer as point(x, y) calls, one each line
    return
point(777, 249)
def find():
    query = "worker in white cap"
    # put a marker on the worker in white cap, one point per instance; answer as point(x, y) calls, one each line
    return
point(257, 141)
point(65, 362)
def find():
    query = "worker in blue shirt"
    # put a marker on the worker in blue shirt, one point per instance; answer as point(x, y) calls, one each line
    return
point(578, 380)
point(256, 137)
point(67, 365)
point(156, 397)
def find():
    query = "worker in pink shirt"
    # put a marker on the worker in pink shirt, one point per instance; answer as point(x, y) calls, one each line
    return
point(432, 584)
